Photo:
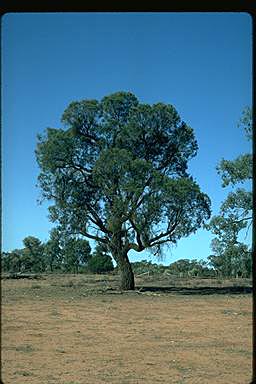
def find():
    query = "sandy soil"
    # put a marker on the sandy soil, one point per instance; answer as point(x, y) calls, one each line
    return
point(56, 333)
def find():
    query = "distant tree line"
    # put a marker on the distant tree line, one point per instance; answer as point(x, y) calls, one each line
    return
point(180, 268)
point(60, 254)
point(74, 255)
point(221, 267)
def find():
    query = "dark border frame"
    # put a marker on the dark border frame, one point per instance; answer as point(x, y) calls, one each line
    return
point(12, 6)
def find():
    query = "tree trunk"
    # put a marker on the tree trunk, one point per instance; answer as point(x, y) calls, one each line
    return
point(126, 274)
point(125, 270)
point(119, 253)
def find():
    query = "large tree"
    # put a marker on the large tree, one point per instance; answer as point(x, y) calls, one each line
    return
point(118, 175)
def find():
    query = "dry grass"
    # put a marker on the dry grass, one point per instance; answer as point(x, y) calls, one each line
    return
point(82, 330)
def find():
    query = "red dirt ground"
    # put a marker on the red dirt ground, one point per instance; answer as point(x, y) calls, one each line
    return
point(56, 333)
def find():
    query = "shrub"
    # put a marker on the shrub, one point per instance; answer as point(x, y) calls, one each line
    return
point(100, 263)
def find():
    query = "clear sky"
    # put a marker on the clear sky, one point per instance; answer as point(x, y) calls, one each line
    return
point(199, 62)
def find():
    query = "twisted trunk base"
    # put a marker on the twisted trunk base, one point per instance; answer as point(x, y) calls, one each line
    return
point(126, 274)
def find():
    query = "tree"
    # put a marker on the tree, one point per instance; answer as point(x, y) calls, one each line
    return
point(34, 254)
point(144, 266)
point(100, 262)
point(199, 268)
point(6, 261)
point(76, 252)
point(180, 267)
point(233, 172)
point(12, 261)
point(235, 212)
point(231, 260)
point(53, 250)
point(188, 268)
point(118, 175)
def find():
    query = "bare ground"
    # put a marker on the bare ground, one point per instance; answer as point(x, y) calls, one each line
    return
point(82, 330)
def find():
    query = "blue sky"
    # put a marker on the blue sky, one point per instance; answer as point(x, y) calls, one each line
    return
point(199, 62)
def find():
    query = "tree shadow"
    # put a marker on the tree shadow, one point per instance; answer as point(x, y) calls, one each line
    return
point(198, 290)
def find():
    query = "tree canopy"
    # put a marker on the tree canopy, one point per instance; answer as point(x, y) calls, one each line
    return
point(118, 175)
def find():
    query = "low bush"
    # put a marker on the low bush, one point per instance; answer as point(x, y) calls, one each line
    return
point(100, 264)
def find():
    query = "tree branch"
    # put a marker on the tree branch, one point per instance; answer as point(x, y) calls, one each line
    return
point(94, 237)
point(159, 242)
point(140, 198)
point(245, 218)
point(169, 231)
point(81, 169)
point(97, 220)
point(85, 133)
point(135, 247)
point(138, 238)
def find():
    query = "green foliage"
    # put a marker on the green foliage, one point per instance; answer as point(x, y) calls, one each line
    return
point(231, 257)
point(190, 268)
point(246, 122)
point(118, 174)
point(76, 252)
point(226, 228)
point(231, 260)
point(238, 203)
point(28, 259)
point(59, 253)
point(12, 261)
point(240, 169)
point(144, 266)
point(33, 255)
point(179, 268)
point(100, 262)
point(235, 171)
point(53, 250)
